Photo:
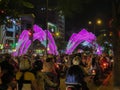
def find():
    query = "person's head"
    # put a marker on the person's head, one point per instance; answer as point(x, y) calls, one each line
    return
point(76, 60)
point(25, 64)
point(38, 65)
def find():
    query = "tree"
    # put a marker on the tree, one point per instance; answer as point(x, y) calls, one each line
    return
point(105, 40)
point(13, 8)
point(116, 44)
point(71, 7)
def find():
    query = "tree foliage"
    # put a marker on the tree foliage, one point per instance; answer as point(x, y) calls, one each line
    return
point(16, 7)
point(70, 7)
point(13, 8)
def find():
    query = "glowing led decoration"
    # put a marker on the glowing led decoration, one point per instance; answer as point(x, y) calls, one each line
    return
point(76, 39)
point(24, 42)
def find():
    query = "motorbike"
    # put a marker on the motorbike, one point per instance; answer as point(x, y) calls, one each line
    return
point(72, 87)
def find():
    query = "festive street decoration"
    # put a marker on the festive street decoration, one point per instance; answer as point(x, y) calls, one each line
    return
point(37, 33)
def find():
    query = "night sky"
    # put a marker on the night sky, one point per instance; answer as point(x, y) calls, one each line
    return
point(99, 9)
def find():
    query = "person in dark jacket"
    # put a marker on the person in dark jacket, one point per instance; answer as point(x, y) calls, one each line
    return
point(75, 78)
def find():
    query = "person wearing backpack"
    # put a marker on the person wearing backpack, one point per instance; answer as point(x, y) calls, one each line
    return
point(25, 78)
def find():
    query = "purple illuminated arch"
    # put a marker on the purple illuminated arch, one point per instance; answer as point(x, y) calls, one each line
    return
point(76, 39)
point(39, 34)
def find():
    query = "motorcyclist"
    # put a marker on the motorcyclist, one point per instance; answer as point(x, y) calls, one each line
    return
point(75, 77)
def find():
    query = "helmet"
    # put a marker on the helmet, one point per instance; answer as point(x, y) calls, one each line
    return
point(76, 60)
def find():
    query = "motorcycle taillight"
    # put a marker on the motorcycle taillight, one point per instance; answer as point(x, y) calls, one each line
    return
point(70, 88)
point(93, 72)
point(105, 64)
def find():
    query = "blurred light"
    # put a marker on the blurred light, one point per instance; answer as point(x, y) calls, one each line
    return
point(8, 20)
point(52, 30)
point(85, 43)
point(14, 21)
point(99, 21)
point(30, 34)
point(14, 50)
point(48, 48)
point(1, 46)
point(104, 34)
point(57, 33)
point(110, 45)
point(16, 44)
point(89, 22)
point(110, 34)
point(2, 11)
point(6, 44)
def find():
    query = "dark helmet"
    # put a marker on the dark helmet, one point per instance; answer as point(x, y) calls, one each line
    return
point(38, 65)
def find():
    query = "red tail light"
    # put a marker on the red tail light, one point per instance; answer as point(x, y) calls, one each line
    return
point(104, 64)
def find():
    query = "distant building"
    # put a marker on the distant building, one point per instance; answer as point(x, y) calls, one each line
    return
point(61, 24)
point(8, 33)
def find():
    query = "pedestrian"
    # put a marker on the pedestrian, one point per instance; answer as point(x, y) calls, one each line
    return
point(41, 77)
point(25, 78)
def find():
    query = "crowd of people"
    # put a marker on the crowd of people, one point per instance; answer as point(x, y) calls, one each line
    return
point(30, 72)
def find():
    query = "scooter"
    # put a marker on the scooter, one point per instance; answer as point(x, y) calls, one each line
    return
point(73, 87)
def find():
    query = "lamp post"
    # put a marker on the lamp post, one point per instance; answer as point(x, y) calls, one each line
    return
point(46, 48)
point(97, 22)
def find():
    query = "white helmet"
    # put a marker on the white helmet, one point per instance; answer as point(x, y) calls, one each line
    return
point(76, 60)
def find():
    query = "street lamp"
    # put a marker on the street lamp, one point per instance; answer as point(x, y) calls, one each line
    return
point(46, 28)
point(97, 22)
point(57, 34)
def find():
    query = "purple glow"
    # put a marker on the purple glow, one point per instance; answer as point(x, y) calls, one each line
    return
point(24, 35)
point(40, 34)
point(24, 42)
point(76, 39)
point(51, 44)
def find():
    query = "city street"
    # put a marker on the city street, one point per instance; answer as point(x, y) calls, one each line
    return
point(108, 86)
point(54, 44)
